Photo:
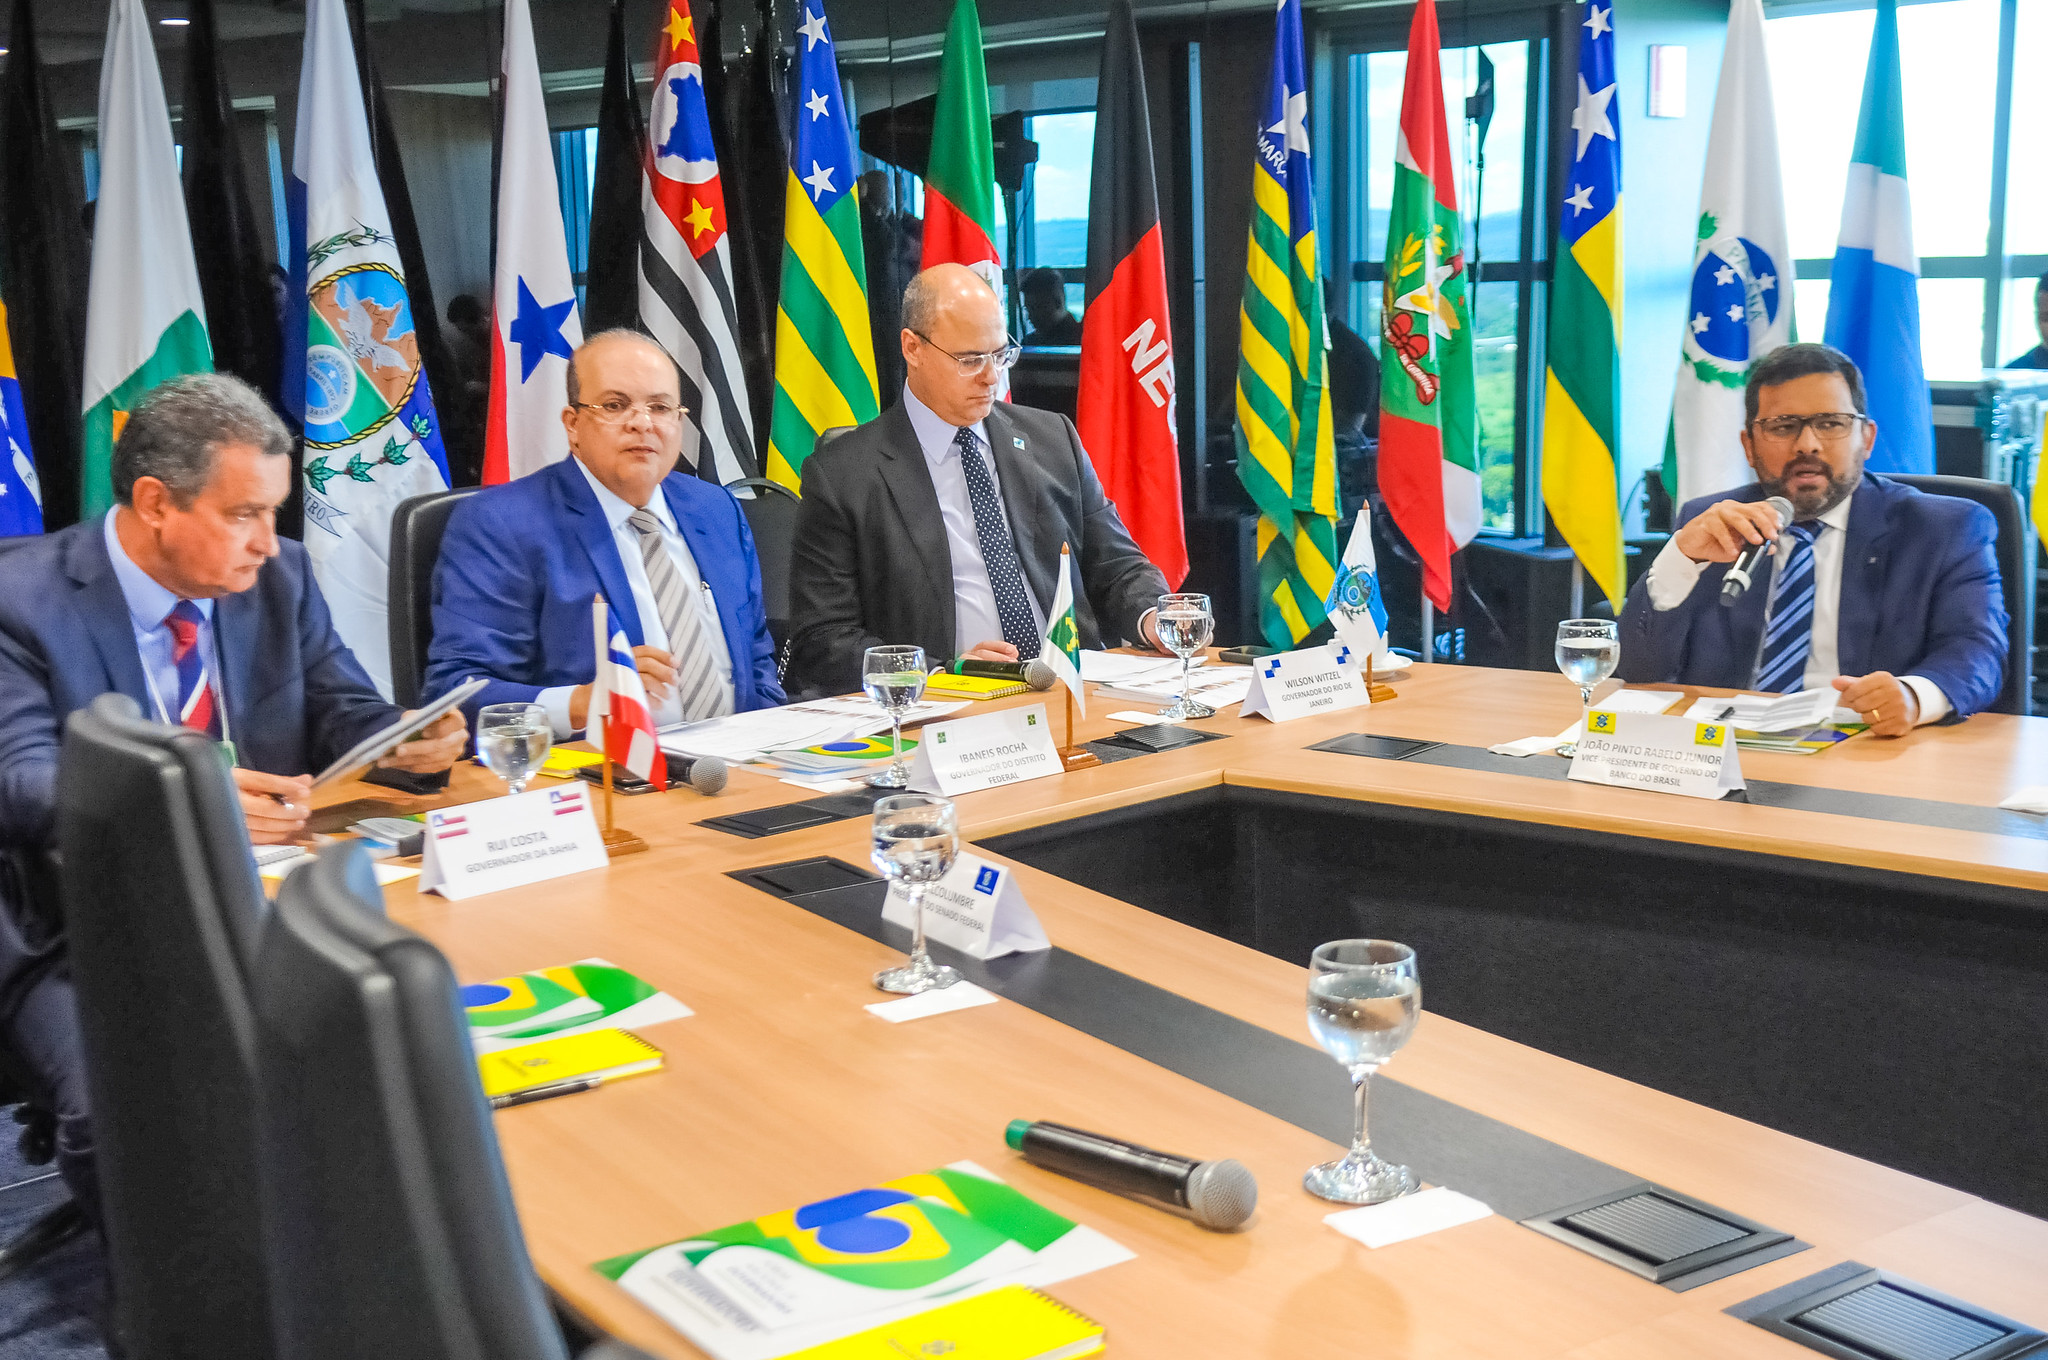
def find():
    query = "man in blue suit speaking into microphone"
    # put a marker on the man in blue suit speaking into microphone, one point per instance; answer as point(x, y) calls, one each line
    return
point(672, 556)
point(1887, 594)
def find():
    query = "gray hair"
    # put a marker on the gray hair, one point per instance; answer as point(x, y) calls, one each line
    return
point(175, 430)
point(921, 302)
point(575, 386)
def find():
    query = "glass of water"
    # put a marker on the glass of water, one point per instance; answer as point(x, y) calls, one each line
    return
point(1185, 624)
point(1588, 650)
point(513, 740)
point(916, 839)
point(894, 678)
point(1364, 999)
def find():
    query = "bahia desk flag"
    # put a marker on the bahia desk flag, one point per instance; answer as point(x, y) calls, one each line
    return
point(1125, 407)
point(1429, 430)
point(618, 704)
point(686, 297)
point(145, 322)
point(1582, 390)
point(1741, 303)
point(1285, 455)
point(21, 493)
point(353, 370)
point(1874, 286)
point(824, 351)
point(534, 328)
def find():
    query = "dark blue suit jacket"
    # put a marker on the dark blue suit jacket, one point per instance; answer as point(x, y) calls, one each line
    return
point(1920, 596)
point(520, 563)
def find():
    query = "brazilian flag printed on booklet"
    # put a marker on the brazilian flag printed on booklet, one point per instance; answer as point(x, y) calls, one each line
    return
point(588, 995)
point(810, 1275)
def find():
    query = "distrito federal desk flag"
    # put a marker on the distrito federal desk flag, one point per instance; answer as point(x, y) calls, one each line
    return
point(534, 328)
point(352, 369)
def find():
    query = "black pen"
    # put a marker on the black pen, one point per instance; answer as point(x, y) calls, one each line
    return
point(549, 1092)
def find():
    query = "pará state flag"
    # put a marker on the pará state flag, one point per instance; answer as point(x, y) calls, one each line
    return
point(145, 319)
point(352, 366)
point(1740, 307)
point(1874, 285)
point(21, 493)
point(619, 707)
point(1355, 606)
point(1062, 646)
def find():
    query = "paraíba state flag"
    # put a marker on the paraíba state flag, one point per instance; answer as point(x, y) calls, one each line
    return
point(1582, 390)
point(686, 299)
point(373, 437)
point(145, 320)
point(824, 351)
point(1285, 456)
point(21, 492)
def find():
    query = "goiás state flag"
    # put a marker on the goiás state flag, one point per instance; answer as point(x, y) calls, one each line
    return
point(618, 704)
point(686, 297)
point(1125, 407)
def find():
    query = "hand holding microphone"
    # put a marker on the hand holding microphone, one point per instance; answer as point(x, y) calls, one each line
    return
point(1739, 533)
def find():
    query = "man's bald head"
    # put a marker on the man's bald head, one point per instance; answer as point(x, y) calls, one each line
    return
point(950, 310)
point(617, 335)
point(946, 288)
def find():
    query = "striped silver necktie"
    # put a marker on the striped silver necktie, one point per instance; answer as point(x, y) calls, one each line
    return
point(699, 688)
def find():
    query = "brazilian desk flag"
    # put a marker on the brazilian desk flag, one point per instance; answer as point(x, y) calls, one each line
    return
point(824, 352)
point(1285, 456)
point(1582, 391)
point(21, 495)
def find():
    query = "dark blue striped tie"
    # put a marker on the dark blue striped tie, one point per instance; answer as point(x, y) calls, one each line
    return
point(1788, 635)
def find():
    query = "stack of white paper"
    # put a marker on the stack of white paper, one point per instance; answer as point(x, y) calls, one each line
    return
point(748, 736)
point(1768, 712)
point(1621, 701)
point(1111, 668)
point(1214, 686)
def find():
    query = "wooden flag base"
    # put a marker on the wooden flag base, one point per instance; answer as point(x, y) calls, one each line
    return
point(617, 841)
point(1374, 690)
point(1078, 757)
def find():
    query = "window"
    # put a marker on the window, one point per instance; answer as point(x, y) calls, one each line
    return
point(1055, 206)
point(576, 182)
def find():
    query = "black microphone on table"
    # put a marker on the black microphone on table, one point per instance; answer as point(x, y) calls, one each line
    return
point(1034, 672)
point(1219, 1195)
point(705, 774)
point(1737, 580)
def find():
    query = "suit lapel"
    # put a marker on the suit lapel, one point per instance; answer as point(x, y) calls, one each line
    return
point(707, 555)
point(104, 610)
point(236, 627)
point(909, 482)
point(1018, 475)
point(592, 530)
point(1863, 561)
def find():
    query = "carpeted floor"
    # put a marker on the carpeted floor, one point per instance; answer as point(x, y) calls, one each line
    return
point(49, 1312)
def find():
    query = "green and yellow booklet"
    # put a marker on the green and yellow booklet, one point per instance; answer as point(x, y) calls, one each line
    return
point(805, 1276)
point(553, 1002)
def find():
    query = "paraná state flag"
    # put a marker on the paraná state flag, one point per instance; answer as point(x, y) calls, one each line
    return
point(1125, 408)
point(1740, 307)
point(1429, 430)
point(1582, 389)
point(1357, 610)
point(686, 297)
point(145, 322)
point(534, 328)
point(1286, 457)
point(824, 351)
point(21, 491)
point(1061, 649)
point(1874, 284)
point(355, 377)
point(618, 704)
point(960, 176)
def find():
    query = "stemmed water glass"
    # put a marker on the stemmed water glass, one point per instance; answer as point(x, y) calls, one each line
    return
point(916, 839)
point(1185, 624)
point(512, 740)
point(894, 678)
point(1364, 999)
point(1588, 650)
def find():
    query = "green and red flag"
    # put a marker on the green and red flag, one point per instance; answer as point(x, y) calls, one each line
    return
point(960, 179)
point(1429, 456)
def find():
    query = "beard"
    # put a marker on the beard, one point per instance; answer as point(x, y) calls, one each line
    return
point(1814, 503)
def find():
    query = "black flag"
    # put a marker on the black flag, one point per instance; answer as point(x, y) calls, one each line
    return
point(754, 185)
point(612, 278)
point(234, 276)
point(42, 270)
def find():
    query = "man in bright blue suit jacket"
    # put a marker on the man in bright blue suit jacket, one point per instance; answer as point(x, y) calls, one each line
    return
point(520, 563)
point(1890, 595)
point(184, 599)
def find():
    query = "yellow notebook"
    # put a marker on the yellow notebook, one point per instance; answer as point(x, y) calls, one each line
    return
point(1011, 1323)
point(972, 686)
point(604, 1054)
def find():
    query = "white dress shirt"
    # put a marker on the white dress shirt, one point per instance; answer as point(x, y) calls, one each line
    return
point(1673, 576)
point(149, 604)
point(627, 539)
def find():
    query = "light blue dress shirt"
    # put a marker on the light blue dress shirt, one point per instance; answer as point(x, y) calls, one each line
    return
point(627, 539)
point(149, 604)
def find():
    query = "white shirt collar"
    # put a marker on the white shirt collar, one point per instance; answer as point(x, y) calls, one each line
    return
point(616, 510)
point(149, 600)
point(1838, 517)
point(934, 434)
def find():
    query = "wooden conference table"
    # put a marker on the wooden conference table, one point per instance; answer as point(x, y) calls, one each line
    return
point(782, 1089)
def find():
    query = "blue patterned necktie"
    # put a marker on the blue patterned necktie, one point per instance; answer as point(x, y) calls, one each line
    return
point(998, 552)
point(1788, 633)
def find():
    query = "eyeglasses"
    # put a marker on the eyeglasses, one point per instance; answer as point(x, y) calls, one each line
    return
point(973, 364)
point(1830, 427)
point(617, 410)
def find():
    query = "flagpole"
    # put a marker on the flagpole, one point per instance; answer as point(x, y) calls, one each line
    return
point(1428, 626)
point(1578, 589)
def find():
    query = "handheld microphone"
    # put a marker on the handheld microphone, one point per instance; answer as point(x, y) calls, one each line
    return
point(705, 774)
point(1219, 1195)
point(1737, 579)
point(1034, 672)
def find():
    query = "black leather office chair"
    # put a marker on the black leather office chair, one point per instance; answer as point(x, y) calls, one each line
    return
point(771, 509)
point(416, 528)
point(2015, 571)
point(394, 1230)
point(162, 911)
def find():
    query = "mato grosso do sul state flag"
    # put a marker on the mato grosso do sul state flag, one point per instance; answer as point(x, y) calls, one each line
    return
point(1582, 389)
point(1285, 455)
point(1429, 431)
point(145, 322)
point(824, 351)
point(372, 435)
